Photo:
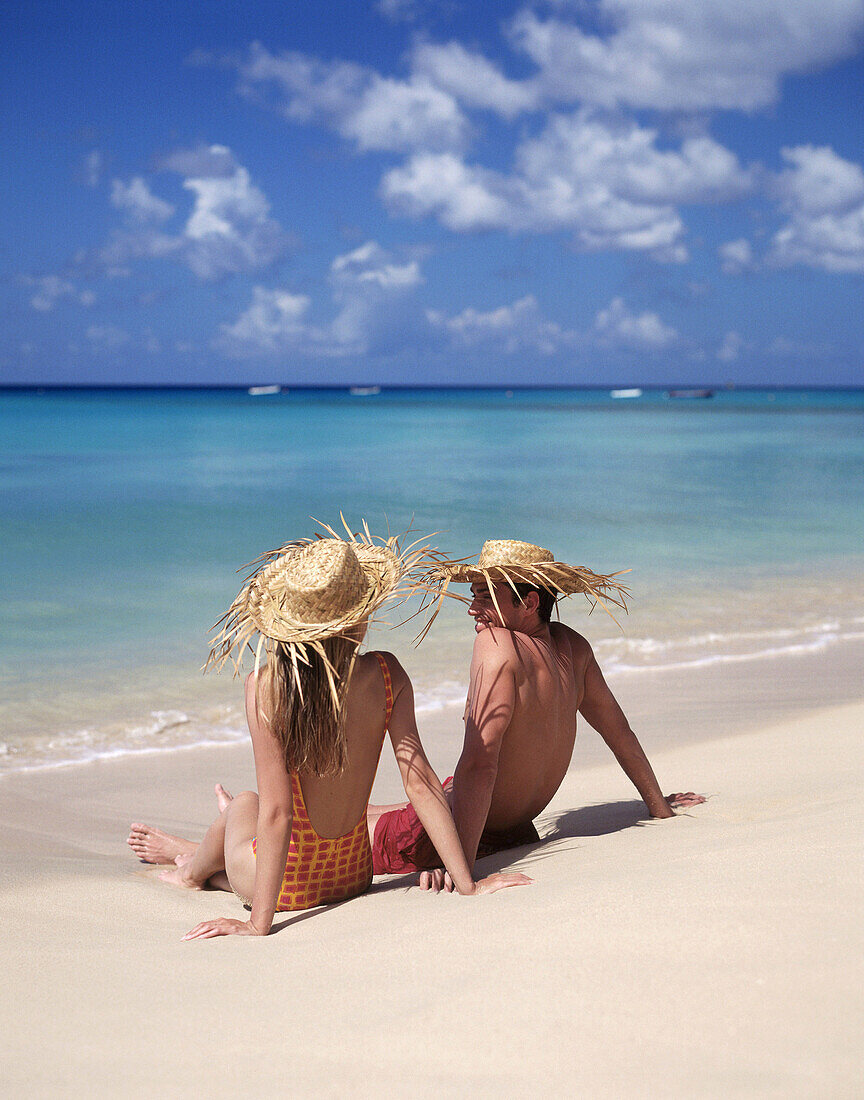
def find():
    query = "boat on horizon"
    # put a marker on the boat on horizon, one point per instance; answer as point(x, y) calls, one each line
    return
point(634, 391)
point(688, 395)
point(263, 391)
point(364, 391)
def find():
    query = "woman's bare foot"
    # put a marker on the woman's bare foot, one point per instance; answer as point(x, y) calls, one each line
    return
point(179, 876)
point(223, 797)
point(153, 846)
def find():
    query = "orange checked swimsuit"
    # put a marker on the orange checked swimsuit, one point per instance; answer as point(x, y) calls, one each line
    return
point(320, 870)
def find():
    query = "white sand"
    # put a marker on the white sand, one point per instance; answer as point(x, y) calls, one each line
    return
point(717, 954)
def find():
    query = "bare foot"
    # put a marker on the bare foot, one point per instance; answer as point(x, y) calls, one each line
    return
point(153, 846)
point(223, 797)
point(179, 876)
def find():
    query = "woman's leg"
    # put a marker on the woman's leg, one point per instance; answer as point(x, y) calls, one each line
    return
point(240, 827)
point(208, 861)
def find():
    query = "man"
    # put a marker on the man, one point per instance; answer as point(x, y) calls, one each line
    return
point(530, 678)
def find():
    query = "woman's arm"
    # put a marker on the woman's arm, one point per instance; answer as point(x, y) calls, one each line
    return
point(275, 812)
point(426, 794)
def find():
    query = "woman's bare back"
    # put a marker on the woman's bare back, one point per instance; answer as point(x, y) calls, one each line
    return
point(336, 803)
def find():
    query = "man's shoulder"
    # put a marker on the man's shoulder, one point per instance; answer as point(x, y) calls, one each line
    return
point(494, 645)
point(564, 635)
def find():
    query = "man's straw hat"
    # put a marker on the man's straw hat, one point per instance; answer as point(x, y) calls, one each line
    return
point(313, 589)
point(516, 562)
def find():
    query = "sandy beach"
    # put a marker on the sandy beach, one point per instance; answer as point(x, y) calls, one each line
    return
point(717, 954)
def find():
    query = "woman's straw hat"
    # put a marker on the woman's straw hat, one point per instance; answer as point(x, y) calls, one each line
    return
point(516, 562)
point(313, 589)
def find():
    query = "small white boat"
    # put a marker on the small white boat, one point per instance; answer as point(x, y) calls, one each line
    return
point(633, 392)
point(263, 391)
point(364, 391)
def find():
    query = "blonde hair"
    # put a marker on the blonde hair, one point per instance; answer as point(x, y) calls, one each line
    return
point(303, 704)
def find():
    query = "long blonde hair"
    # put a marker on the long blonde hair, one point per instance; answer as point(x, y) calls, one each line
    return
point(303, 704)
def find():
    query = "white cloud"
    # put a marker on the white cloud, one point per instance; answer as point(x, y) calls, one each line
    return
point(201, 161)
point(399, 10)
point(736, 257)
point(514, 328)
point(138, 202)
point(273, 322)
point(686, 55)
point(823, 195)
point(376, 112)
point(397, 115)
point(608, 183)
point(473, 80)
point(228, 231)
point(787, 348)
point(93, 165)
point(463, 197)
point(730, 349)
point(107, 338)
point(50, 289)
point(367, 288)
point(616, 326)
point(370, 265)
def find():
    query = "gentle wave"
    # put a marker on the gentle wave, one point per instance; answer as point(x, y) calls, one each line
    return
point(449, 693)
point(166, 731)
point(170, 730)
point(636, 655)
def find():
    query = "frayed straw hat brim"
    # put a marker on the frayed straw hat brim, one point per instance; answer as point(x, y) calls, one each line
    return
point(378, 569)
point(564, 580)
point(513, 562)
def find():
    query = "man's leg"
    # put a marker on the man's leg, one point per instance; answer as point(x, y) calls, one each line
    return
point(373, 813)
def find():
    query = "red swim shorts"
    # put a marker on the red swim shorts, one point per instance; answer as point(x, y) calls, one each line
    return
point(401, 844)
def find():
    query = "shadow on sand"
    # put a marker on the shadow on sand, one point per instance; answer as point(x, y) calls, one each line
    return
point(557, 829)
point(597, 820)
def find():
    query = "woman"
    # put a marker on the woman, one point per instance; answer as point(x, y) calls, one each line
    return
point(317, 715)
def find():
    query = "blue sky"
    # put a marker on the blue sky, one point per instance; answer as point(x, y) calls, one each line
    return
point(410, 191)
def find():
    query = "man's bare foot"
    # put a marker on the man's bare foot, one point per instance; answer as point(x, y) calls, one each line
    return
point(153, 846)
point(223, 797)
point(179, 876)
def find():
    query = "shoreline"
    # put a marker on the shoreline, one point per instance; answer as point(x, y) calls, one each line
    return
point(666, 706)
point(709, 948)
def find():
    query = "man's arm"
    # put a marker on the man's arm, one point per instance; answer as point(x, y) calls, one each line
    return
point(601, 709)
point(491, 700)
point(427, 797)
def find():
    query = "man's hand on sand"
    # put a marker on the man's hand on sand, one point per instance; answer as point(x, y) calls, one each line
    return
point(682, 801)
point(436, 881)
point(439, 880)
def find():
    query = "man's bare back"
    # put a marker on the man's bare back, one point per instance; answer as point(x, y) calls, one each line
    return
point(530, 679)
point(549, 675)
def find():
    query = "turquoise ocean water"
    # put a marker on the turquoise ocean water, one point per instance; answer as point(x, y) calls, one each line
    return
point(124, 515)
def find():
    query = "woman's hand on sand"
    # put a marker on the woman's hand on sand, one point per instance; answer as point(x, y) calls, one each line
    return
point(222, 926)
